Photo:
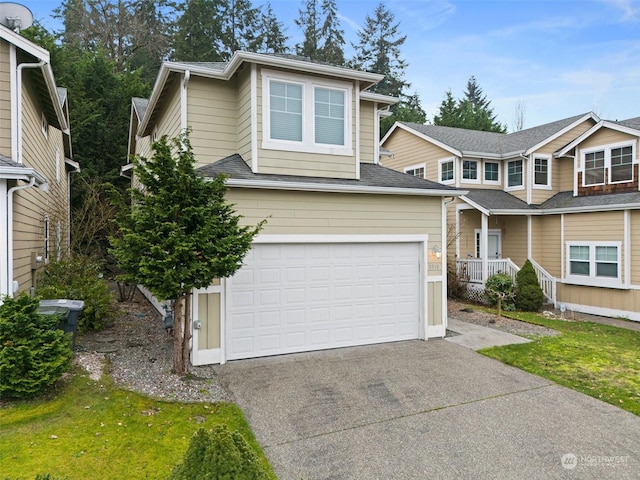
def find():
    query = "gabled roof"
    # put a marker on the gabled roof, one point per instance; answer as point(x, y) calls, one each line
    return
point(373, 179)
point(492, 202)
point(473, 143)
point(17, 171)
point(226, 70)
point(139, 106)
point(631, 127)
point(612, 201)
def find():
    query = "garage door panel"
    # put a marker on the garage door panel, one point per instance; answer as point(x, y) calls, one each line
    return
point(292, 298)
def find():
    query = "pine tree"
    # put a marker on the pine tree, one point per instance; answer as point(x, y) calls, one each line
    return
point(408, 110)
point(273, 38)
point(378, 51)
point(308, 22)
point(449, 114)
point(331, 35)
point(198, 32)
point(240, 30)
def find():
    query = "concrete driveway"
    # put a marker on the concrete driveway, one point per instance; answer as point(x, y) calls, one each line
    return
point(418, 410)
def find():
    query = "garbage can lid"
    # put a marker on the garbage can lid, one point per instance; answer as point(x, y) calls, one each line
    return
point(73, 305)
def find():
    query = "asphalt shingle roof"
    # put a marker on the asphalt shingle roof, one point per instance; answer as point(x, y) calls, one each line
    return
point(7, 162)
point(497, 200)
point(371, 175)
point(492, 143)
point(567, 200)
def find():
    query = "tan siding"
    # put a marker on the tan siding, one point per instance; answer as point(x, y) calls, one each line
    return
point(606, 136)
point(434, 302)
point(306, 164)
point(469, 221)
point(244, 115)
point(620, 300)
point(410, 150)
point(563, 177)
point(212, 114)
point(5, 101)
point(566, 138)
point(209, 314)
point(292, 212)
point(367, 124)
point(169, 121)
point(635, 247)
point(602, 226)
point(514, 237)
point(547, 243)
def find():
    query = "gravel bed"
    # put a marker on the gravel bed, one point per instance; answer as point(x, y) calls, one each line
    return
point(470, 314)
point(138, 355)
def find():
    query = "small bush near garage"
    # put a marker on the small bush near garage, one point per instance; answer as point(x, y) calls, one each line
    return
point(529, 296)
point(80, 278)
point(499, 291)
point(33, 352)
point(219, 454)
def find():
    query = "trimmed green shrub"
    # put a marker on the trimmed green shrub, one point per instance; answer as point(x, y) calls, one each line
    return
point(529, 296)
point(33, 352)
point(219, 454)
point(80, 278)
point(498, 290)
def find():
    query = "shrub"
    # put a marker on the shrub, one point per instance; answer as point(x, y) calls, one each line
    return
point(33, 352)
point(529, 296)
point(499, 291)
point(219, 454)
point(80, 278)
point(456, 288)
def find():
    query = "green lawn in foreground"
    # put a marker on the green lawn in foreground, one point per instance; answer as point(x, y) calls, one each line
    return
point(91, 430)
point(598, 360)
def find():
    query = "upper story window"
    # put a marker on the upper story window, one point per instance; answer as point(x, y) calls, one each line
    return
point(305, 114)
point(610, 164)
point(416, 170)
point(593, 263)
point(514, 173)
point(491, 172)
point(621, 165)
point(470, 170)
point(541, 172)
point(445, 171)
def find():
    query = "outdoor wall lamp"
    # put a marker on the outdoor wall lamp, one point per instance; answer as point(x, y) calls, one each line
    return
point(436, 251)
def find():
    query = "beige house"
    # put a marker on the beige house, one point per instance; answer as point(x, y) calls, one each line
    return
point(564, 195)
point(352, 251)
point(35, 163)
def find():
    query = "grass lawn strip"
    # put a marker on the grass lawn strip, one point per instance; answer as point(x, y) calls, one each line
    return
point(90, 429)
point(599, 360)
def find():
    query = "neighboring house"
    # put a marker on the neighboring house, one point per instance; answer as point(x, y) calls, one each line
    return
point(564, 195)
point(35, 163)
point(351, 252)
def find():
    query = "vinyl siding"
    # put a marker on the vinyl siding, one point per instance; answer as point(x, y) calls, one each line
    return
point(169, 121)
point(605, 136)
point(514, 237)
point(469, 221)
point(563, 175)
point(244, 115)
point(368, 117)
point(434, 302)
point(5, 100)
point(602, 226)
point(409, 150)
point(548, 244)
point(32, 204)
point(635, 247)
point(618, 300)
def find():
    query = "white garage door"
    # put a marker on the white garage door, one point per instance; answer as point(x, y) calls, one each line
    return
point(301, 297)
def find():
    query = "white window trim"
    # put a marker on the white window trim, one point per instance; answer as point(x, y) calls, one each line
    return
point(308, 115)
point(415, 167)
point(44, 125)
point(607, 161)
point(479, 172)
point(484, 173)
point(592, 280)
point(440, 163)
point(548, 185)
point(506, 175)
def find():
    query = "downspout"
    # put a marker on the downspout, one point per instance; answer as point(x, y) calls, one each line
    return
point(18, 100)
point(11, 289)
point(445, 247)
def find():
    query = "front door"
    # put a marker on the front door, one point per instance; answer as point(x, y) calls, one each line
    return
point(494, 244)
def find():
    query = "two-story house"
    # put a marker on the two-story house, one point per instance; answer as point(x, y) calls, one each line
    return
point(352, 251)
point(564, 195)
point(35, 163)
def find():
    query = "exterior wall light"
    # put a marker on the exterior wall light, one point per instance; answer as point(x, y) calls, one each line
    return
point(436, 251)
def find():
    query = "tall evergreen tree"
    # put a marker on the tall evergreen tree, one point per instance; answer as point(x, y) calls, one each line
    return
point(449, 114)
point(308, 21)
point(198, 32)
point(272, 36)
point(408, 110)
point(331, 35)
point(378, 50)
point(240, 29)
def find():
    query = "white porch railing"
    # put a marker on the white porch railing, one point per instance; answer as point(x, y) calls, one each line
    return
point(470, 270)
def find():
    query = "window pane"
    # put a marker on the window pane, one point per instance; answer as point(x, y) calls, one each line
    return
point(579, 268)
point(491, 172)
point(621, 164)
point(594, 168)
point(579, 252)
point(541, 171)
point(514, 170)
point(470, 170)
point(447, 171)
point(607, 254)
point(329, 116)
point(607, 270)
point(285, 116)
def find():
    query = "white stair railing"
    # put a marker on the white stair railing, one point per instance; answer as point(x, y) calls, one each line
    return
point(547, 282)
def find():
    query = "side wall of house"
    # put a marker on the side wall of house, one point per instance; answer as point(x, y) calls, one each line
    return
point(409, 150)
point(368, 118)
point(5, 100)
point(44, 153)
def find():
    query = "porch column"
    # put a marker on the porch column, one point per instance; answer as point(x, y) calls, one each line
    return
point(484, 247)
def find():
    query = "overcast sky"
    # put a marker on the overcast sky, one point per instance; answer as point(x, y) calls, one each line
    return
point(559, 58)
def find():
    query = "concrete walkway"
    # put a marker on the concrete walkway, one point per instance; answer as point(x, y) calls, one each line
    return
point(477, 337)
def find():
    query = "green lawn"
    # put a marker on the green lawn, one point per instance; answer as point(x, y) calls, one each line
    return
point(90, 429)
point(598, 360)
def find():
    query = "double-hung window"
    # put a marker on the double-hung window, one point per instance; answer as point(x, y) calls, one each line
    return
point(594, 168)
point(593, 263)
point(541, 172)
point(470, 170)
point(305, 114)
point(514, 174)
point(491, 172)
point(446, 171)
point(621, 165)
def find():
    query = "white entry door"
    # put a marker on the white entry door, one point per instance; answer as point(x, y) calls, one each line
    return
point(494, 244)
point(300, 297)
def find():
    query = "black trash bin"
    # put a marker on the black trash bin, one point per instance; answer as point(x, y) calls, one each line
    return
point(68, 311)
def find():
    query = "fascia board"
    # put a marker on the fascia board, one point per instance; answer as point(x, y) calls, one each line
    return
point(325, 187)
point(601, 124)
point(592, 208)
point(47, 73)
point(475, 205)
point(489, 156)
point(562, 132)
point(428, 139)
point(379, 98)
point(22, 173)
point(24, 44)
point(158, 86)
